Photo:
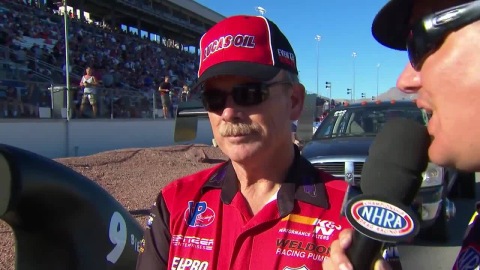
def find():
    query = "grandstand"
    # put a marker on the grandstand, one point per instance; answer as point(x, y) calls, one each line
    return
point(131, 44)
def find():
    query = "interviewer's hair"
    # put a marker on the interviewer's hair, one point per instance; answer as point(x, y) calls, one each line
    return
point(292, 77)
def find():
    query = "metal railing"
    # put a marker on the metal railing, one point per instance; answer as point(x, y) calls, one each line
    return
point(112, 103)
point(124, 102)
point(50, 102)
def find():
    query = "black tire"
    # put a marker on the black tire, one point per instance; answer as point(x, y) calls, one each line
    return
point(438, 232)
point(464, 186)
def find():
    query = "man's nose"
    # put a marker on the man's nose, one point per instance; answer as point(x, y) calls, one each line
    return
point(409, 80)
point(232, 110)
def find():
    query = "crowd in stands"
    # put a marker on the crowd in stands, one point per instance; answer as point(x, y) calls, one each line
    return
point(33, 36)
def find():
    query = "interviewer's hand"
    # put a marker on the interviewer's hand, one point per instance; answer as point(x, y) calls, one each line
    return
point(338, 259)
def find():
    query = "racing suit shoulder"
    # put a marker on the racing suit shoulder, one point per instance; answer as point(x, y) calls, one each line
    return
point(168, 208)
point(188, 186)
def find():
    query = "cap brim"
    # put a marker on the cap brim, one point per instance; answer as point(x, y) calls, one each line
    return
point(391, 25)
point(243, 69)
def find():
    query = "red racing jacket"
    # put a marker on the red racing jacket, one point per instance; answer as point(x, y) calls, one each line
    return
point(202, 222)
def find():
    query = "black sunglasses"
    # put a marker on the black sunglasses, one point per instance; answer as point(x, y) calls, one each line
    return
point(428, 34)
point(247, 94)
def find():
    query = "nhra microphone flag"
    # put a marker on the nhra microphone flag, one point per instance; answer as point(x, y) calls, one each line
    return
point(391, 178)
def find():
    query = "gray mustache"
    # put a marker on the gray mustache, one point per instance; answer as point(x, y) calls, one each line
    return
point(239, 129)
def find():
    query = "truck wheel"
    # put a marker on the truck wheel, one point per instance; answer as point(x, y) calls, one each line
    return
point(438, 232)
point(464, 186)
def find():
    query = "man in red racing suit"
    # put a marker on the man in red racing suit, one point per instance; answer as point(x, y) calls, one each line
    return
point(266, 207)
point(202, 222)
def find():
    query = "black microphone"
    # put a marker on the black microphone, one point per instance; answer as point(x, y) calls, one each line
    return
point(391, 178)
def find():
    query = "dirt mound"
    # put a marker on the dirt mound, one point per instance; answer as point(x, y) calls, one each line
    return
point(133, 177)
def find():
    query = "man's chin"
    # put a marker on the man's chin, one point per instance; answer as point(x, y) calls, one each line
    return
point(241, 153)
point(440, 156)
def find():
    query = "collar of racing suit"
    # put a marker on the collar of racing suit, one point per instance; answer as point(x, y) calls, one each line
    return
point(303, 182)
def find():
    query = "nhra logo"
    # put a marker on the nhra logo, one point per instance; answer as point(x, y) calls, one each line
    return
point(198, 214)
point(468, 259)
point(382, 218)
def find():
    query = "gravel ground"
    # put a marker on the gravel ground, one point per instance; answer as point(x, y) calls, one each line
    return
point(133, 176)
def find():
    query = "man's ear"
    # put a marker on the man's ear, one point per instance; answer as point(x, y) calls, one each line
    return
point(298, 98)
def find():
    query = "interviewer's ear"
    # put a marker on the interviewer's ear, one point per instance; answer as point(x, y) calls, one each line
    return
point(297, 98)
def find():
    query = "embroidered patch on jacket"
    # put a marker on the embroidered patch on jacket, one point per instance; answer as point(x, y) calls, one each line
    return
point(198, 214)
point(303, 267)
point(469, 258)
point(309, 187)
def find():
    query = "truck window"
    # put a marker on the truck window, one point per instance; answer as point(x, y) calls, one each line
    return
point(365, 120)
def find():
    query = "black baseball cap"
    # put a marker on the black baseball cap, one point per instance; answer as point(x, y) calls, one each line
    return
point(391, 24)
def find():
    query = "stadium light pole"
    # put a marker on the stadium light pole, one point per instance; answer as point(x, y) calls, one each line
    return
point(67, 60)
point(318, 38)
point(328, 86)
point(261, 10)
point(378, 68)
point(354, 55)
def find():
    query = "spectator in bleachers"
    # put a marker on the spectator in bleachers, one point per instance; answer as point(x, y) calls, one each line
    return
point(45, 99)
point(37, 51)
point(185, 92)
point(31, 101)
point(107, 79)
point(326, 105)
point(89, 84)
point(174, 97)
point(147, 81)
point(101, 46)
point(13, 102)
point(21, 56)
point(164, 89)
point(3, 42)
point(3, 103)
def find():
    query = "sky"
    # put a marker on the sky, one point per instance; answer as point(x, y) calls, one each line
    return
point(344, 27)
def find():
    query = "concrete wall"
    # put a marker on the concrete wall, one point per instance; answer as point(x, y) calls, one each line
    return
point(80, 137)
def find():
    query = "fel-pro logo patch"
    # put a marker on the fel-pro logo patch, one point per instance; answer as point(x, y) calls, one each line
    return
point(198, 214)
